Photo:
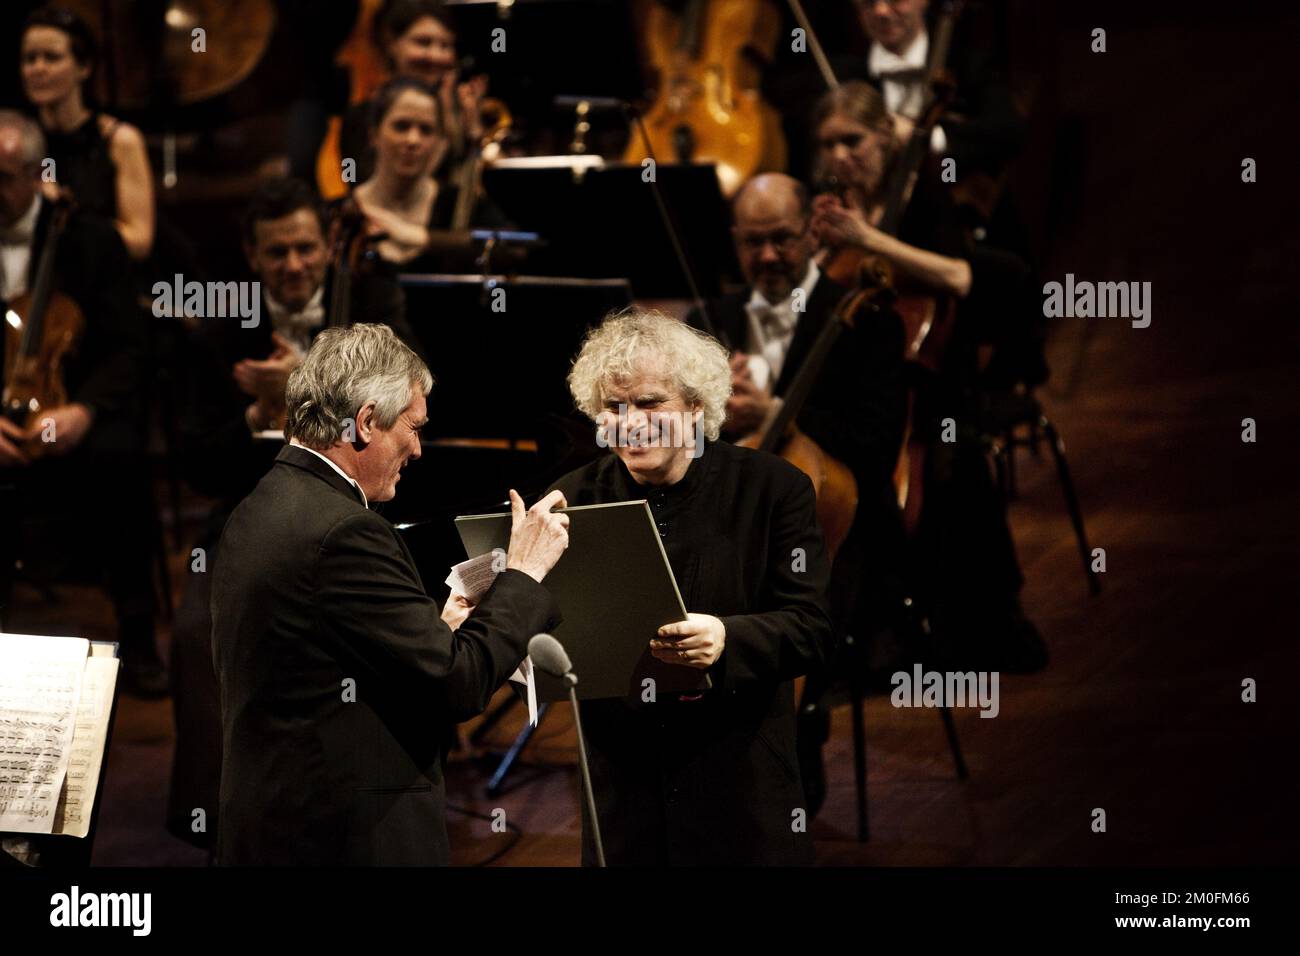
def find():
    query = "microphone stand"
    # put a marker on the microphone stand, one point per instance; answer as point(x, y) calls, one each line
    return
point(570, 682)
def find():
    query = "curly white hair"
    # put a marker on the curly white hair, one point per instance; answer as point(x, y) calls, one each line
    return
point(639, 341)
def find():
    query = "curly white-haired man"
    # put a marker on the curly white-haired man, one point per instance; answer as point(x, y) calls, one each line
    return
point(707, 778)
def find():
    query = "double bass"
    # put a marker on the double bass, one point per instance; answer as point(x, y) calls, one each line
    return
point(42, 328)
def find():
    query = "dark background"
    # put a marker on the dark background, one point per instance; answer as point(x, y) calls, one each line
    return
point(1132, 172)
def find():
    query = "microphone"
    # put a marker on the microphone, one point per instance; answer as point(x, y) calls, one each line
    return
point(550, 657)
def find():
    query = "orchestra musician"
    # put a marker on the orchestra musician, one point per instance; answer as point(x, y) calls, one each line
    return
point(982, 129)
point(857, 140)
point(315, 594)
point(86, 501)
point(710, 778)
point(99, 157)
point(285, 233)
point(971, 571)
point(417, 39)
point(856, 410)
point(402, 200)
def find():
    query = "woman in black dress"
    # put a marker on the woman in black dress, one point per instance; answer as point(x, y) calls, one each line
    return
point(101, 159)
point(709, 778)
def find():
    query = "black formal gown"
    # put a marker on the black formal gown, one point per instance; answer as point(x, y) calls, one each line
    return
point(715, 780)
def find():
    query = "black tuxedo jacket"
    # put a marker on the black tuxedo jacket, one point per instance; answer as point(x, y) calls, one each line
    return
point(337, 676)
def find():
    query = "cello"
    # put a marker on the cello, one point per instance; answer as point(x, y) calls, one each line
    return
point(833, 482)
point(707, 105)
point(42, 327)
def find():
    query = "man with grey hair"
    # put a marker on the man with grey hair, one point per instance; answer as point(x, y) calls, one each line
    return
point(336, 669)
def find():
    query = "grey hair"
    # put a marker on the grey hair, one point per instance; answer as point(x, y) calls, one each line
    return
point(345, 369)
point(29, 133)
point(635, 341)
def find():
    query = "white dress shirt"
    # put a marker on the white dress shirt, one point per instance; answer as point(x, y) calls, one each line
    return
point(904, 81)
point(16, 251)
point(771, 329)
point(297, 327)
point(348, 478)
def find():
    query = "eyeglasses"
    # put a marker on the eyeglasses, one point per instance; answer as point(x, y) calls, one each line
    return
point(783, 240)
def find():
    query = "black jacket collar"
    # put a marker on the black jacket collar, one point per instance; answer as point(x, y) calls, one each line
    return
point(297, 457)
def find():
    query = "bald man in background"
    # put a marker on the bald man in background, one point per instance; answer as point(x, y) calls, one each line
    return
point(855, 412)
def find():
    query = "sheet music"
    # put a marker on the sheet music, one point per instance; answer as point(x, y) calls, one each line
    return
point(40, 689)
point(72, 815)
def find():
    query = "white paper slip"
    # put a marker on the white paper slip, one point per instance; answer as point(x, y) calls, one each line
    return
point(524, 675)
point(474, 577)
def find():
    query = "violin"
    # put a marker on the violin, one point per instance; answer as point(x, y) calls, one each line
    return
point(43, 327)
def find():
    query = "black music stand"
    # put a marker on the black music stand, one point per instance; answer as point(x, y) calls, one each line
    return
point(604, 221)
point(497, 372)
